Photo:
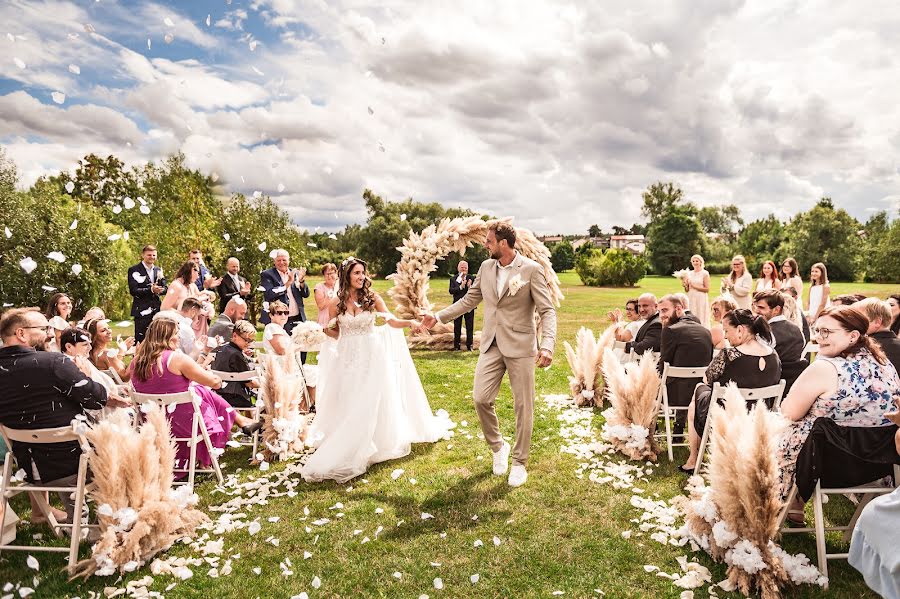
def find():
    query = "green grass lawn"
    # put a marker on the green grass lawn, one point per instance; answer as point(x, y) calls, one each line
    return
point(556, 533)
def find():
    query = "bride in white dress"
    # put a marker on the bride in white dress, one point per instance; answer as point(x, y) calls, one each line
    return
point(373, 406)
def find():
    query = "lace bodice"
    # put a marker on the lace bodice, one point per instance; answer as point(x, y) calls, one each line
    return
point(362, 323)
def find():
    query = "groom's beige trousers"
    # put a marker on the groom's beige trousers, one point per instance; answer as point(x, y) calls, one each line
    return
point(488, 375)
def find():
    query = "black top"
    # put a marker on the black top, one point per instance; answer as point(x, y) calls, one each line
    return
point(45, 390)
point(684, 343)
point(648, 337)
point(458, 291)
point(228, 290)
point(789, 345)
point(890, 344)
point(690, 317)
point(731, 365)
point(143, 301)
point(230, 358)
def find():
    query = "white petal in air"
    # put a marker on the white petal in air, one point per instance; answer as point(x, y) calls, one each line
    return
point(262, 246)
point(257, 71)
point(402, 217)
point(89, 28)
point(371, 111)
point(116, 209)
point(19, 62)
point(168, 22)
point(76, 269)
point(280, 187)
point(144, 209)
point(332, 236)
point(58, 97)
point(75, 69)
point(253, 45)
point(169, 38)
point(312, 245)
point(58, 256)
point(7, 232)
point(114, 237)
point(28, 265)
point(128, 203)
point(70, 187)
point(148, 43)
point(208, 20)
point(48, 288)
point(226, 236)
point(74, 225)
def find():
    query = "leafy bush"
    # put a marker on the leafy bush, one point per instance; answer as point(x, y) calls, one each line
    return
point(719, 267)
point(614, 268)
point(562, 256)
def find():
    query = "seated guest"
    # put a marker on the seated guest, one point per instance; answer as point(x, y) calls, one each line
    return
point(40, 389)
point(684, 343)
point(95, 313)
point(181, 287)
point(188, 342)
point(851, 381)
point(231, 358)
point(76, 344)
point(627, 328)
point(235, 310)
point(894, 302)
point(749, 363)
point(275, 338)
point(873, 550)
point(879, 314)
point(158, 367)
point(687, 315)
point(58, 313)
point(649, 335)
point(789, 341)
point(101, 355)
point(721, 306)
point(848, 299)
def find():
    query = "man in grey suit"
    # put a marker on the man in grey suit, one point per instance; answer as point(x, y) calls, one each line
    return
point(512, 288)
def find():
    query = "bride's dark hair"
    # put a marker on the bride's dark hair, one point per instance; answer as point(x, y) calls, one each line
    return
point(365, 297)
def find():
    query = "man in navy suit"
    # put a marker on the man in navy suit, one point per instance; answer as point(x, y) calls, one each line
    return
point(287, 285)
point(459, 286)
point(146, 284)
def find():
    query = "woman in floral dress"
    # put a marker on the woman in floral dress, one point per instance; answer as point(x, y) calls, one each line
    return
point(851, 382)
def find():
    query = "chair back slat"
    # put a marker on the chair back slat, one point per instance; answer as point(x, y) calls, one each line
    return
point(163, 398)
point(683, 372)
point(60, 434)
point(236, 377)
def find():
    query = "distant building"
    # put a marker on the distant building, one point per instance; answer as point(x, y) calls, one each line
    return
point(595, 242)
point(550, 238)
point(636, 244)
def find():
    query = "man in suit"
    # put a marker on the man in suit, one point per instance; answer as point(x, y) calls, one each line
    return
point(459, 286)
point(879, 314)
point(287, 285)
point(233, 284)
point(146, 284)
point(234, 311)
point(43, 389)
point(649, 335)
point(683, 342)
point(513, 288)
point(204, 279)
point(789, 341)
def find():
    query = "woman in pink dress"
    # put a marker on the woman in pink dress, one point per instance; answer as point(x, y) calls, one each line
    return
point(325, 292)
point(697, 287)
point(158, 367)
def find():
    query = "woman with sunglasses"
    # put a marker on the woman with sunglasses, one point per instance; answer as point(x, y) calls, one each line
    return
point(851, 381)
point(275, 338)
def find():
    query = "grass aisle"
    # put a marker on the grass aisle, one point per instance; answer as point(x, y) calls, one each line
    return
point(556, 533)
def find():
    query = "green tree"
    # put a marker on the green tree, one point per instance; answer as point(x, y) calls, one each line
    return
point(613, 268)
point(882, 241)
point(762, 240)
point(824, 234)
point(673, 238)
point(722, 220)
point(659, 199)
point(594, 231)
point(562, 256)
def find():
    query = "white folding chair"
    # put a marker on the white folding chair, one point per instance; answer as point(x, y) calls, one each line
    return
point(168, 402)
point(633, 356)
point(9, 487)
point(668, 412)
point(811, 350)
point(774, 392)
point(253, 411)
point(866, 492)
point(111, 373)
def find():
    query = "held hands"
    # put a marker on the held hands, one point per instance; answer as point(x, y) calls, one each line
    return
point(544, 358)
point(428, 321)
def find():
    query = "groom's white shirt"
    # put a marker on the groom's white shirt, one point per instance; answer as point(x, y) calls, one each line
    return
point(503, 273)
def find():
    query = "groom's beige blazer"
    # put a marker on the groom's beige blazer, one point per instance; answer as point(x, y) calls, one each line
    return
point(509, 317)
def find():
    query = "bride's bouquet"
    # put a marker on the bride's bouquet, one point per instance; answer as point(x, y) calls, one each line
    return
point(308, 336)
point(682, 275)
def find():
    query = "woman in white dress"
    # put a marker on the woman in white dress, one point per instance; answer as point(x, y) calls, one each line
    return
point(696, 285)
point(373, 407)
point(790, 276)
point(768, 277)
point(819, 292)
point(739, 283)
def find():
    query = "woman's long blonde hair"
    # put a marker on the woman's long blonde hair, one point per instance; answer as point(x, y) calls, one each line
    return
point(743, 261)
point(149, 353)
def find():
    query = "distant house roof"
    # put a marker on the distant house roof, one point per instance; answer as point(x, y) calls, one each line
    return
point(627, 238)
point(546, 238)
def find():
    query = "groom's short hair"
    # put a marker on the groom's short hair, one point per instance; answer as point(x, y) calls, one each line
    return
point(504, 231)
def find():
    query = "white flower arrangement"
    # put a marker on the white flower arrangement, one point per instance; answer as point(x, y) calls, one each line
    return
point(515, 284)
point(308, 336)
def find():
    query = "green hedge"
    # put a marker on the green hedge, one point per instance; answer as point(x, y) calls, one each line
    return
point(613, 268)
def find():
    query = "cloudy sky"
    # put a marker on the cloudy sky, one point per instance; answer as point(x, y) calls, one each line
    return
point(556, 113)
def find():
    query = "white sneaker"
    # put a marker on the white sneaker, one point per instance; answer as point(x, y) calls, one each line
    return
point(517, 476)
point(501, 460)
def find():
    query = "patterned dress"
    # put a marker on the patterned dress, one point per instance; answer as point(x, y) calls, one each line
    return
point(865, 392)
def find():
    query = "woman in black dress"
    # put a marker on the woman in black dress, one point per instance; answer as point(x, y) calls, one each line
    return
point(751, 362)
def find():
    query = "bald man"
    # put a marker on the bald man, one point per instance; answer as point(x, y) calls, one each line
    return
point(459, 287)
point(233, 284)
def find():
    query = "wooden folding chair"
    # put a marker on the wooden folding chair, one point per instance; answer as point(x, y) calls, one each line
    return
point(774, 392)
point(9, 487)
point(253, 411)
point(198, 430)
point(668, 412)
point(811, 350)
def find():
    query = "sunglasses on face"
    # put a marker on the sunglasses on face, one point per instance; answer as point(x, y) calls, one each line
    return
point(281, 313)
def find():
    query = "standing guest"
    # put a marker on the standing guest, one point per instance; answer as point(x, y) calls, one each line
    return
point(748, 363)
point(231, 357)
point(158, 367)
point(879, 314)
point(687, 314)
point(233, 284)
point(819, 292)
point(59, 311)
point(459, 287)
point(739, 283)
point(650, 333)
point(768, 277)
point(627, 331)
point(721, 306)
point(181, 287)
point(683, 343)
point(101, 355)
point(789, 340)
point(697, 287)
point(790, 277)
point(41, 389)
point(234, 311)
point(288, 286)
point(325, 292)
point(851, 381)
point(146, 284)
point(203, 280)
point(894, 302)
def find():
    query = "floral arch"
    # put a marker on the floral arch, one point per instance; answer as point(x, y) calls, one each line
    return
point(420, 254)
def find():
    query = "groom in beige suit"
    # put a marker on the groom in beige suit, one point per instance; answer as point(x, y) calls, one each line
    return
point(513, 288)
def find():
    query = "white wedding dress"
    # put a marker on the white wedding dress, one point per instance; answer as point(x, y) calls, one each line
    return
point(370, 404)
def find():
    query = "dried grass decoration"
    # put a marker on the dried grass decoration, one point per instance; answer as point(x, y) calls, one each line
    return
point(735, 518)
point(586, 362)
point(633, 390)
point(418, 258)
point(139, 512)
point(284, 427)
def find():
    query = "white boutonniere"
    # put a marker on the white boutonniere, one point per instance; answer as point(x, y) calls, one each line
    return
point(516, 283)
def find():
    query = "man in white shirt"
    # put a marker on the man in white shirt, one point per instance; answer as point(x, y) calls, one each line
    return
point(233, 284)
